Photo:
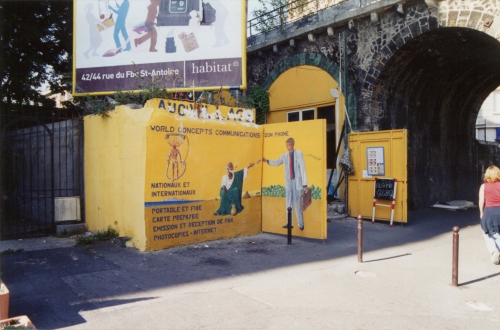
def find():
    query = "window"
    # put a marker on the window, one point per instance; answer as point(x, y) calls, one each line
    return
point(300, 115)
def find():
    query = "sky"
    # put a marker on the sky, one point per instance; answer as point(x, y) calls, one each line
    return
point(252, 5)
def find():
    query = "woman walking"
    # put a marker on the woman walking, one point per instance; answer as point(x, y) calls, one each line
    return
point(489, 211)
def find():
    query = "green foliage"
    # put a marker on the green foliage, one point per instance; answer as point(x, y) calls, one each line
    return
point(36, 49)
point(144, 90)
point(106, 235)
point(84, 240)
point(258, 98)
point(94, 105)
point(272, 17)
point(99, 236)
point(16, 327)
point(274, 191)
point(315, 192)
point(10, 251)
point(75, 232)
point(279, 191)
point(274, 14)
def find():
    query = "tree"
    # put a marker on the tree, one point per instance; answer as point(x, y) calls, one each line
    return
point(269, 18)
point(276, 13)
point(36, 41)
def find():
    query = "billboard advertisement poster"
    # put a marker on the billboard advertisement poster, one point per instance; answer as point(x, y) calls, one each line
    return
point(202, 181)
point(294, 158)
point(175, 44)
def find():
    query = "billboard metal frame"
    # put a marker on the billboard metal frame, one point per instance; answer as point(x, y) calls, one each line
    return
point(214, 87)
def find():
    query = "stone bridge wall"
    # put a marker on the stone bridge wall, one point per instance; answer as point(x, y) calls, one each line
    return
point(398, 59)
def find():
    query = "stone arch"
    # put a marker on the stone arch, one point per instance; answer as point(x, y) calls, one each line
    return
point(478, 15)
point(320, 61)
point(379, 44)
point(434, 87)
point(419, 19)
point(430, 75)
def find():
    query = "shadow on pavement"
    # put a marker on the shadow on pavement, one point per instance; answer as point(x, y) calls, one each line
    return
point(478, 280)
point(393, 257)
point(54, 286)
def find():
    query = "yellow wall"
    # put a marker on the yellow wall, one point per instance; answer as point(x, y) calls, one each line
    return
point(306, 87)
point(361, 186)
point(130, 187)
point(126, 172)
point(183, 207)
point(115, 151)
point(301, 87)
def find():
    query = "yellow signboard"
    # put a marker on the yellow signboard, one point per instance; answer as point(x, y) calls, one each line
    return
point(203, 179)
point(295, 165)
point(378, 155)
point(203, 111)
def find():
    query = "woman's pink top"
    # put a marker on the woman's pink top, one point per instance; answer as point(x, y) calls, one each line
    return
point(492, 194)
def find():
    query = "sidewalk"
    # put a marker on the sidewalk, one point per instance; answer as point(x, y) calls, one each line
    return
point(259, 282)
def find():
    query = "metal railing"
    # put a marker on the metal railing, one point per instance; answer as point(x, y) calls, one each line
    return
point(279, 17)
point(41, 159)
point(297, 12)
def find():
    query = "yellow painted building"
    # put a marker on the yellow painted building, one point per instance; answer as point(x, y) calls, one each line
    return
point(174, 173)
point(114, 160)
point(139, 186)
point(308, 92)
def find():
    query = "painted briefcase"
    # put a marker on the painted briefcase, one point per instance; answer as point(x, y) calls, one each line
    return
point(305, 199)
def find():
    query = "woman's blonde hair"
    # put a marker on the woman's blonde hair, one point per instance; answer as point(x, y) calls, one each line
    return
point(492, 174)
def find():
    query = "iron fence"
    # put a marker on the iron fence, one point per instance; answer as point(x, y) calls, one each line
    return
point(41, 159)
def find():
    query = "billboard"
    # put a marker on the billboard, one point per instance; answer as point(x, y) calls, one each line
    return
point(177, 44)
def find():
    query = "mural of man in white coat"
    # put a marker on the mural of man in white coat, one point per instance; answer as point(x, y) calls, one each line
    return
point(295, 178)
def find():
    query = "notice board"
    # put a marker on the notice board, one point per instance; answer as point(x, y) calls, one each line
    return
point(384, 189)
point(391, 160)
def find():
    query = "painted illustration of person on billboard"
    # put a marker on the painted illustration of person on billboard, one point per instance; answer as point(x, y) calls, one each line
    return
point(295, 178)
point(150, 25)
point(95, 38)
point(231, 190)
point(121, 11)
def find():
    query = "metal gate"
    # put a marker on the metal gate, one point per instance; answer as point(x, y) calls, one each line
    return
point(41, 161)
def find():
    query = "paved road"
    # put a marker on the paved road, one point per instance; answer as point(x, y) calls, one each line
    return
point(259, 282)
